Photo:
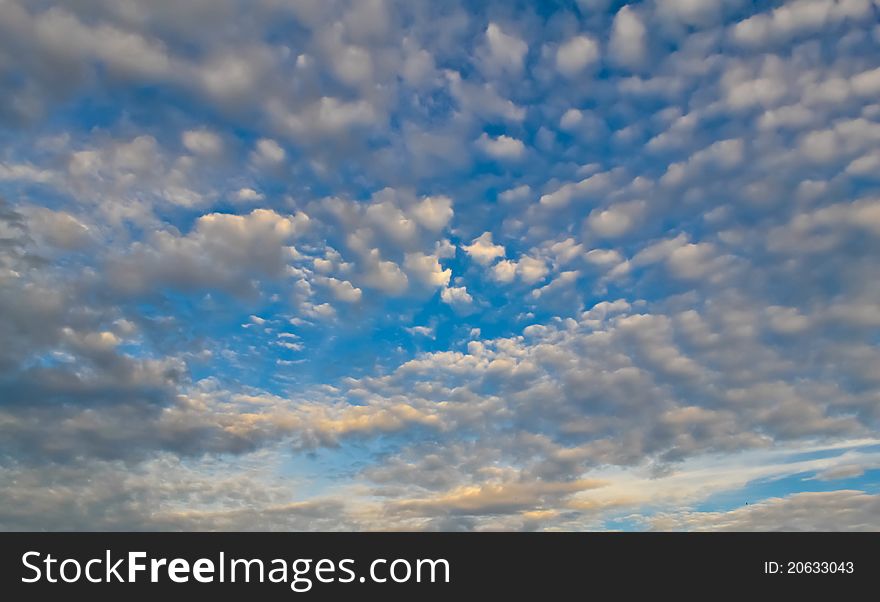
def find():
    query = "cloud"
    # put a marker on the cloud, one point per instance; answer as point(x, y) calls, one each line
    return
point(126, 53)
point(203, 142)
point(483, 100)
point(427, 269)
point(528, 269)
point(433, 213)
point(504, 52)
point(809, 511)
point(566, 193)
point(248, 195)
point(495, 497)
point(513, 195)
point(457, 296)
point(617, 219)
point(247, 265)
point(426, 331)
point(575, 54)
point(483, 250)
point(503, 147)
point(59, 229)
point(628, 46)
point(327, 116)
point(797, 17)
point(343, 290)
point(691, 12)
point(384, 275)
point(222, 251)
point(267, 152)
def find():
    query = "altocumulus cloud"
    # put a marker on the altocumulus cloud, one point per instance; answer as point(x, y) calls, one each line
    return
point(366, 265)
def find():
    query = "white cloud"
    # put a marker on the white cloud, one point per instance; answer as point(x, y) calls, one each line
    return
point(531, 269)
point(457, 296)
point(843, 510)
point(433, 212)
point(343, 290)
point(575, 54)
point(866, 166)
point(59, 229)
point(483, 250)
point(329, 115)
point(797, 17)
point(504, 270)
point(203, 142)
point(267, 152)
point(222, 250)
point(384, 275)
point(517, 194)
point(505, 52)
point(725, 188)
point(248, 195)
point(482, 100)
point(570, 119)
point(528, 269)
point(691, 12)
point(867, 83)
point(628, 46)
point(352, 65)
point(616, 220)
point(123, 52)
point(685, 260)
point(425, 331)
point(427, 269)
point(503, 147)
point(590, 186)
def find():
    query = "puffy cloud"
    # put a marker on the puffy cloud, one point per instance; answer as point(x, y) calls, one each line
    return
point(427, 269)
point(483, 100)
point(268, 152)
point(498, 497)
point(528, 269)
point(384, 275)
point(222, 251)
point(531, 269)
point(503, 147)
point(843, 510)
point(59, 229)
point(426, 331)
point(248, 195)
point(628, 46)
point(513, 195)
point(343, 290)
point(504, 270)
point(867, 82)
point(865, 166)
point(691, 12)
point(564, 194)
point(457, 296)
point(689, 250)
point(504, 52)
point(689, 261)
point(126, 53)
point(798, 17)
point(483, 250)
point(575, 54)
point(615, 220)
point(433, 213)
point(203, 142)
point(327, 116)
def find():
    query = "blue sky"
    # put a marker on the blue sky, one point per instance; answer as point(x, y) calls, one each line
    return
point(292, 264)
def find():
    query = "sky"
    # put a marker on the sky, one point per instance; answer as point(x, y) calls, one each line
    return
point(418, 265)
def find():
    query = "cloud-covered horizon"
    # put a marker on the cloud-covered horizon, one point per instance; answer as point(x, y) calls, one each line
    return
point(368, 264)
